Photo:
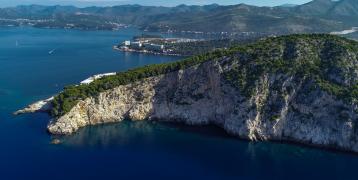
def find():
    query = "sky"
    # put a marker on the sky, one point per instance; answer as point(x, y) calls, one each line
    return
point(82, 3)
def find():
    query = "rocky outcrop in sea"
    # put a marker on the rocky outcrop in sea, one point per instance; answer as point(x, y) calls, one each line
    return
point(232, 92)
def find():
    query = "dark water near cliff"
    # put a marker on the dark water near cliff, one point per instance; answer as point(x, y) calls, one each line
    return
point(137, 150)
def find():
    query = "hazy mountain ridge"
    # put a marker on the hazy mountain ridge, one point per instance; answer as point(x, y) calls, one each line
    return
point(316, 16)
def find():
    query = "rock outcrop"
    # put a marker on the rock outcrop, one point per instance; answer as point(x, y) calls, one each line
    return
point(198, 96)
point(40, 106)
point(277, 105)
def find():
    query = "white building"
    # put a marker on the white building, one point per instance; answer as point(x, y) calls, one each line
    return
point(154, 47)
point(136, 45)
point(95, 77)
point(127, 43)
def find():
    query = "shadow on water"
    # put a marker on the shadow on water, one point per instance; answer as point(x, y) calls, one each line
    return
point(153, 133)
point(136, 133)
point(208, 146)
point(132, 132)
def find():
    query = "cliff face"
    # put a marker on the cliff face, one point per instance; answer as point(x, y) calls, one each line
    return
point(281, 108)
point(300, 88)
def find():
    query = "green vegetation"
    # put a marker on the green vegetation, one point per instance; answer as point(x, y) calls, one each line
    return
point(72, 94)
point(275, 117)
point(316, 57)
point(201, 47)
point(322, 57)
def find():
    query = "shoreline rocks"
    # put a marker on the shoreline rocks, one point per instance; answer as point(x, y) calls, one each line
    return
point(55, 141)
point(39, 106)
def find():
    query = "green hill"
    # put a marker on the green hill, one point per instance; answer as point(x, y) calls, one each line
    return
point(328, 61)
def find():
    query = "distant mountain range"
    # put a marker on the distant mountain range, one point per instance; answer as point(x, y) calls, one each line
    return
point(289, 5)
point(316, 16)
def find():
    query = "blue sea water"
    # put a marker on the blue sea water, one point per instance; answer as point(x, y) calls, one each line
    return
point(128, 150)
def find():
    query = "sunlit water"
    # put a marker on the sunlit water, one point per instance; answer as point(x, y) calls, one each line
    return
point(145, 150)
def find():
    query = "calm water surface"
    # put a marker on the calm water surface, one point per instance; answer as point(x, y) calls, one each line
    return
point(129, 149)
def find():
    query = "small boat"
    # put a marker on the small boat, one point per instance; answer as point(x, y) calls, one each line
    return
point(52, 51)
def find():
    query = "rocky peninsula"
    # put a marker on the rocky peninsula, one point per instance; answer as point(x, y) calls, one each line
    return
point(297, 88)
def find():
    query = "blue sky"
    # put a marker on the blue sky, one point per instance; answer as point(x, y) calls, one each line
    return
point(4, 3)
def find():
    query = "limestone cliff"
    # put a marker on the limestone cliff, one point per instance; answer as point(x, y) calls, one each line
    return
point(307, 95)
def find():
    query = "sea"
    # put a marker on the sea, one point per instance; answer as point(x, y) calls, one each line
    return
point(38, 63)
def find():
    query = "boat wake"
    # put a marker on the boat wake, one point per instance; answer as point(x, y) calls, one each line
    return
point(52, 51)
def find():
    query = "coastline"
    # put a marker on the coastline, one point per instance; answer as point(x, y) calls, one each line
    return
point(45, 104)
point(39, 106)
point(97, 76)
point(146, 52)
point(345, 32)
point(218, 102)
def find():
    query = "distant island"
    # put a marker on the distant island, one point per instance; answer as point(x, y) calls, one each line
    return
point(296, 88)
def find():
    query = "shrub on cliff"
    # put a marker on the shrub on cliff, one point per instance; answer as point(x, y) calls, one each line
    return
point(328, 60)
